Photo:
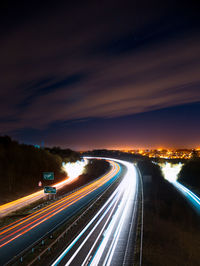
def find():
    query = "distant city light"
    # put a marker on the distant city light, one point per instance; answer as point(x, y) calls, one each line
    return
point(165, 153)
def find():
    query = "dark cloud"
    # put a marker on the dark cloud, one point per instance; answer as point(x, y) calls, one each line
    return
point(171, 127)
point(47, 86)
point(73, 62)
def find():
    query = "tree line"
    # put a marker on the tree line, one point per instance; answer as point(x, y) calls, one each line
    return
point(67, 155)
point(22, 167)
point(190, 173)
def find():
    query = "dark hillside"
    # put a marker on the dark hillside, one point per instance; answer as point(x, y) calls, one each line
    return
point(190, 174)
point(21, 168)
point(171, 227)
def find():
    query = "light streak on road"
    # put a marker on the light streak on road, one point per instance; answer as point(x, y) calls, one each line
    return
point(100, 237)
point(20, 227)
point(110, 203)
point(73, 170)
point(129, 188)
point(189, 194)
point(170, 172)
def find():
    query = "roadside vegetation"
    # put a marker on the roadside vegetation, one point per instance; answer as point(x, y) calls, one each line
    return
point(67, 155)
point(22, 167)
point(93, 170)
point(171, 161)
point(190, 174)
point(171, 227)
point(114, 154)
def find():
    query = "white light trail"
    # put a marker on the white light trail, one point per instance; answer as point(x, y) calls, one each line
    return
point(87, 257)
point(73, 170)
point(129, 187)
point(170, 172)
point(109, 201)
point(187, 192)
point(113, 224)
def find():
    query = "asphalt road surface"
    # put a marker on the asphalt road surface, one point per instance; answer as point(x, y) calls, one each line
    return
point(23, 233)
point(108, 239)
point(9, 207)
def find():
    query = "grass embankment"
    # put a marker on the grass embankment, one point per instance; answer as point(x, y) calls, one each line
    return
point(171, 228)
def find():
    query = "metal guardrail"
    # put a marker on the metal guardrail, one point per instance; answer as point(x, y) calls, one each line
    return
point(18, 256)
point(129, 256)
point(68, 228)
point(31, 249)
point(62, 234)
point(142, 217)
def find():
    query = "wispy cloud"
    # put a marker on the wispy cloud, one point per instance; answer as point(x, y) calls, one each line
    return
point(67, 65)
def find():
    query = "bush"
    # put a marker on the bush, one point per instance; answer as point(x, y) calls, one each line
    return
point(190, 173)
point(22, 167)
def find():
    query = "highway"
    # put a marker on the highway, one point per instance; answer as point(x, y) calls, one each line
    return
point(17, 236)
point(108, 238)
point(9, 207)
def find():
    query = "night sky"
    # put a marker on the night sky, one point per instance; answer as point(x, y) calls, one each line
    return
point(101, 74)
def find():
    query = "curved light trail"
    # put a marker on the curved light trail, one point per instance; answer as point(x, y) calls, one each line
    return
point(21, 227)
point(188, 194)
point(9, 207)
point(170, 173)
point(103, 241)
